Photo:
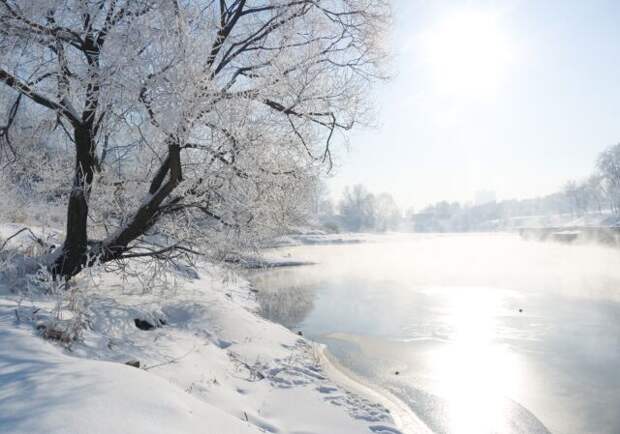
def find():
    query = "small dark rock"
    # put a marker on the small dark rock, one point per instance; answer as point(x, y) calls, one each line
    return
point(134, 363)
point(300, 333)
point(223, 344)
point(520, 310)
point(397, 373)
point(143, 325)
point(162, 322)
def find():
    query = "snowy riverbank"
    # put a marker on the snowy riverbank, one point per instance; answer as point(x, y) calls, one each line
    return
point(211, 364)
point(314, 237)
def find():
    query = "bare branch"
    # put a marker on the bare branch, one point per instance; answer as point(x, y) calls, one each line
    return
point(23, 88)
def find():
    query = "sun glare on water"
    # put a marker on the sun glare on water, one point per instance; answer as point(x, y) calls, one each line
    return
point(476, 373)
point(468, 54)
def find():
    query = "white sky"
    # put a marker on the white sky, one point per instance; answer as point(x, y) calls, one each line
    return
point(515, 96)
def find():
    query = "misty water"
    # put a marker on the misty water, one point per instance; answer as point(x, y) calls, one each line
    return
point(476, 333)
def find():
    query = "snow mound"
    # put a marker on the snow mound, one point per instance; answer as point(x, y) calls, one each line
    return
point(43, 390)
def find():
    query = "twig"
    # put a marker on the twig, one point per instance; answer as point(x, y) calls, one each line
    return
point(37, 239)
point(171, 361)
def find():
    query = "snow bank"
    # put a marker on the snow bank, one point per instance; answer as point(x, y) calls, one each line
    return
point(44, 390)
point(317, 238)
point(592, 219)
point(211, 365)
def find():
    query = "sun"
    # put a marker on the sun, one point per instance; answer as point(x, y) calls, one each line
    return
point(468, 53)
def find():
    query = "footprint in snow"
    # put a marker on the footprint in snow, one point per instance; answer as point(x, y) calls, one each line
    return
point(382, 429)
point(326, 389)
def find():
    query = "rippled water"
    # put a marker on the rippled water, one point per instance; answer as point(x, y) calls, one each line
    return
point(477, 333)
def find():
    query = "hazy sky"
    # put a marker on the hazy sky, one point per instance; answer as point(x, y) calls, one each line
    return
point(515, 96)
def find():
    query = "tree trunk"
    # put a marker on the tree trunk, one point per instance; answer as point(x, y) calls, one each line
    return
point(75, 254)
point(74, 249)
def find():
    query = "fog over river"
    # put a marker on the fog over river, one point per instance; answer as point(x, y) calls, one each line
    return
point(476, 333)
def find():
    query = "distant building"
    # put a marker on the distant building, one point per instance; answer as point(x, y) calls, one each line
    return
point(484, 196)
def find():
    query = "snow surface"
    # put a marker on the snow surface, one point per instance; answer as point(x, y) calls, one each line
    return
point(214, 367)
point(43, 390)
point(592, 219)
point(317, 237)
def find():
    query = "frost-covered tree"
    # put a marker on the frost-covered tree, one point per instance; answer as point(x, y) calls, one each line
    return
point(586, 195)
point(387, 214)
point(184, 118)
point(608, 165)
point(595, 192)
point(573, 194)
point(357, 209)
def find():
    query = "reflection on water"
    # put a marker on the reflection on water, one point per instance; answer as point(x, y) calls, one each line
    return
point(287, 304)
point(484, 331)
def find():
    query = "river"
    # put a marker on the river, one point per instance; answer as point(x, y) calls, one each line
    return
point(477, 333)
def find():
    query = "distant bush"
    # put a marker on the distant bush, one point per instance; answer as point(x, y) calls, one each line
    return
point(331, 227)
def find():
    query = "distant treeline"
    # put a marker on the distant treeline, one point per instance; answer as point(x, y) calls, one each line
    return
point(591, 201)
point(359, 210)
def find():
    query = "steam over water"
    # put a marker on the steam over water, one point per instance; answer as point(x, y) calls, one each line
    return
point(488, 333)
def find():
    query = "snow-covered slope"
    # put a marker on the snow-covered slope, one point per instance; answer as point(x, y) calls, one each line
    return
point(43, 390)
point(213, 367)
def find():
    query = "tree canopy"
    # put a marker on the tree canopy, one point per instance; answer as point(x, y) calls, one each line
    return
point(185, 121)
